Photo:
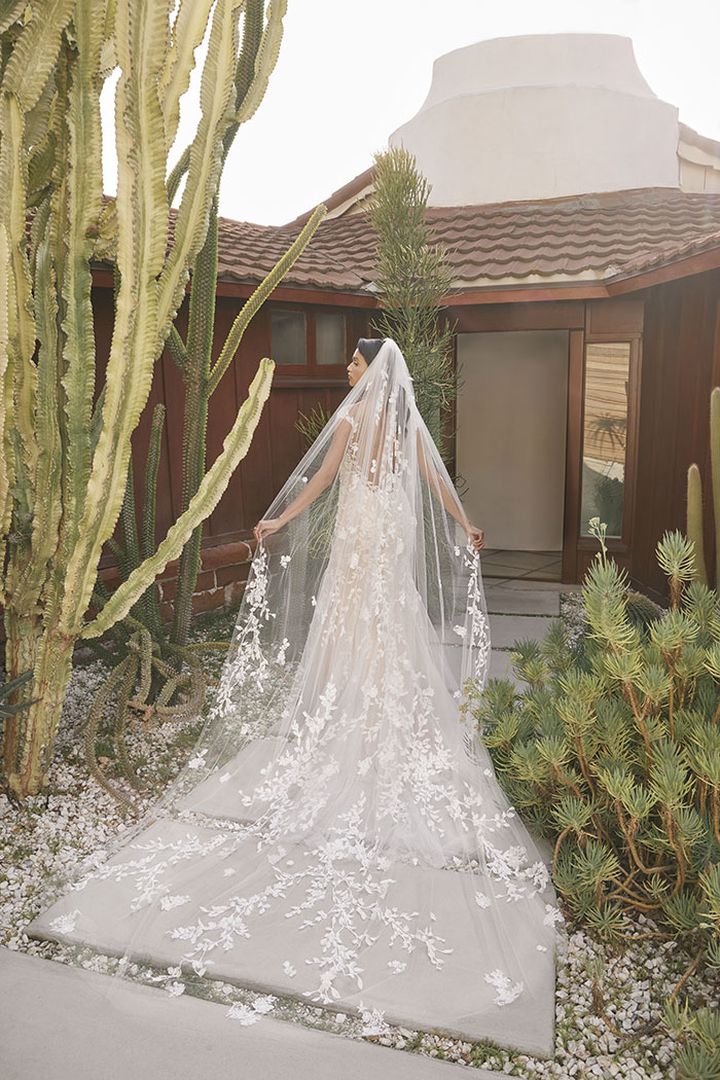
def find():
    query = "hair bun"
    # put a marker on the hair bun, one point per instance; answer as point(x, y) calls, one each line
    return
point(369, 348)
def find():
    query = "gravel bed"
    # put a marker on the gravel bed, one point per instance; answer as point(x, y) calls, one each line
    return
point(607, 1005)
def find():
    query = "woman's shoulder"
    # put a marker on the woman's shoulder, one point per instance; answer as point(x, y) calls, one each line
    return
point(353, 413)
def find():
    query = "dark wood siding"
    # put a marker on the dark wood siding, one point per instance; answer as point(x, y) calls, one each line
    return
point(676, 330)
point(681, 364)
point(277, 445)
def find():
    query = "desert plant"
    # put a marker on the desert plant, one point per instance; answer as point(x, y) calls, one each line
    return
point(7, 690)
point(64, 465)
point(412, 279)
point(613, 752)
point(697, 1032)
point(695, 498)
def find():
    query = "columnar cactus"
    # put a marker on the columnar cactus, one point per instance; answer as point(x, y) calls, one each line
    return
point(695, 498)
point(64, 460)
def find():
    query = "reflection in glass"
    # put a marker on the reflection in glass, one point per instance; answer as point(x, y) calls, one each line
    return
point(289, 339)
point(607, 376)
point(330, 337)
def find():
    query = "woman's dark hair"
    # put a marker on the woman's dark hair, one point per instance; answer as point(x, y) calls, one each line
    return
point(369, 347)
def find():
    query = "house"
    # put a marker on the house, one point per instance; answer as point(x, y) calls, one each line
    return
point(582, 223)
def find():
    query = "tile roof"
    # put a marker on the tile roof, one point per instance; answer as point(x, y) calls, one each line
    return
point(576, 238)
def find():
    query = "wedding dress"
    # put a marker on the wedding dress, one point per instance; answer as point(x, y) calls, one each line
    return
point(338, 833)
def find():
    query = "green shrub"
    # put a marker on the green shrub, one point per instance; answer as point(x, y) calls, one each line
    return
point(612, 752)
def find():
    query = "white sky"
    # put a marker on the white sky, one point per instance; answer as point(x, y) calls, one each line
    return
point(350, 73)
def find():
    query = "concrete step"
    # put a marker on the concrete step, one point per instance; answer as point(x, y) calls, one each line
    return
point(61, 1022)
point(502, 600)
point(505, 629)
point(202, 867)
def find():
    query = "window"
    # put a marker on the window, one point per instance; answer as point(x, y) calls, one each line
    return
point(309, 343)
point(605, 430)
point(288, 337)
point(330, 338)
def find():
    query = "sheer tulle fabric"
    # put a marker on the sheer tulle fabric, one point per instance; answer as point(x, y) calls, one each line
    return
point(338, 823)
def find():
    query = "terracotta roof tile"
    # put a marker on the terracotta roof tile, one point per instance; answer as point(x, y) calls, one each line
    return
point(573, 238)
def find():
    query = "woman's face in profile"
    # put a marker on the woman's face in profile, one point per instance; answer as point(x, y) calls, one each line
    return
point(356, 368)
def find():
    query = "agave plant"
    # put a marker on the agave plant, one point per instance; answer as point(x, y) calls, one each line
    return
point(65, 457)
point(613, 751)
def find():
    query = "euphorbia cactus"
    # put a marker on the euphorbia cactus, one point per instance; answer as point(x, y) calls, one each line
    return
point(64, 460)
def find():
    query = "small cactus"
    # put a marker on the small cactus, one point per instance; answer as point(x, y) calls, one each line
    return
point(695, 513)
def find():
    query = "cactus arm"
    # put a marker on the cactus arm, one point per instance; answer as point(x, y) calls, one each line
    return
point(128, 522)
point(176, 347)
point(695, 522)
point(151, 475)
point(715, 472)
point(178, 171)
point(21, 328)
point(187, 34)
point(265, 61)
point(48, 474)
point(10, 12)
point(252, 40)
point(201, 321)
point(205, 500)
point(108, 59)
point(204, 166)
point(142, 213)
point(35, 51)
point(6, 450)
point(244, 75)
point(24, 81)
point(261, 293)
point(150, 599)
point(82, 206)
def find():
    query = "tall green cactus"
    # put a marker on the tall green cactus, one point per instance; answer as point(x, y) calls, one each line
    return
point(193, 356)
point(64, 461)
point(695, 498)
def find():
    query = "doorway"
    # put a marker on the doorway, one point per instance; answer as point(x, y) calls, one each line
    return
point(511, 424)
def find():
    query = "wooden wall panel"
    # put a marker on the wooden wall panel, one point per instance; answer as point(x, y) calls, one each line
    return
point(680, 348)
point(277, 445)
point(680, 364)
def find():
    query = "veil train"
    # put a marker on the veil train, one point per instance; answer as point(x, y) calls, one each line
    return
point(338, 833)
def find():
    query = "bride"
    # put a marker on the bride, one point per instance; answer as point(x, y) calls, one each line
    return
point(339, 833)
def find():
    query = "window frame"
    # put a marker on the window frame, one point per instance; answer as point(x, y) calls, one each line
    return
point(620, 544)
point(312, 369)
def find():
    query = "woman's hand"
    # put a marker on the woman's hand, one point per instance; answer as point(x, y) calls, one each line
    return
point(476, 537)
point(266, 527)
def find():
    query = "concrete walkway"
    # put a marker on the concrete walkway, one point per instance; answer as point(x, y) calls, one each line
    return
point(65, 1023)
point(518, 608)
point(71, 1024)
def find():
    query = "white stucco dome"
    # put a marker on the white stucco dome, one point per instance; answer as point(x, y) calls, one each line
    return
point(540, 116)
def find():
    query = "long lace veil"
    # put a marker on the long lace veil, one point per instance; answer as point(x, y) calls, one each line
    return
point(338, 832)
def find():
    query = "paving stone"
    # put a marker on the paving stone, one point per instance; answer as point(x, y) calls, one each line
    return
point(504, 601)
point(505, 629)
point(455, 999)
point(61, 1022)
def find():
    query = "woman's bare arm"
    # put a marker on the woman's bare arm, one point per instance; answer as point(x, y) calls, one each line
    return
point(316, 485)
point(439, 487)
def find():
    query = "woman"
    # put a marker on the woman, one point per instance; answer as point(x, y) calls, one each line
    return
point(366, 351)
point(339, 833)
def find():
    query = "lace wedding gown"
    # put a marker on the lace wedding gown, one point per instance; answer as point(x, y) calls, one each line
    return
point(357, 849)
